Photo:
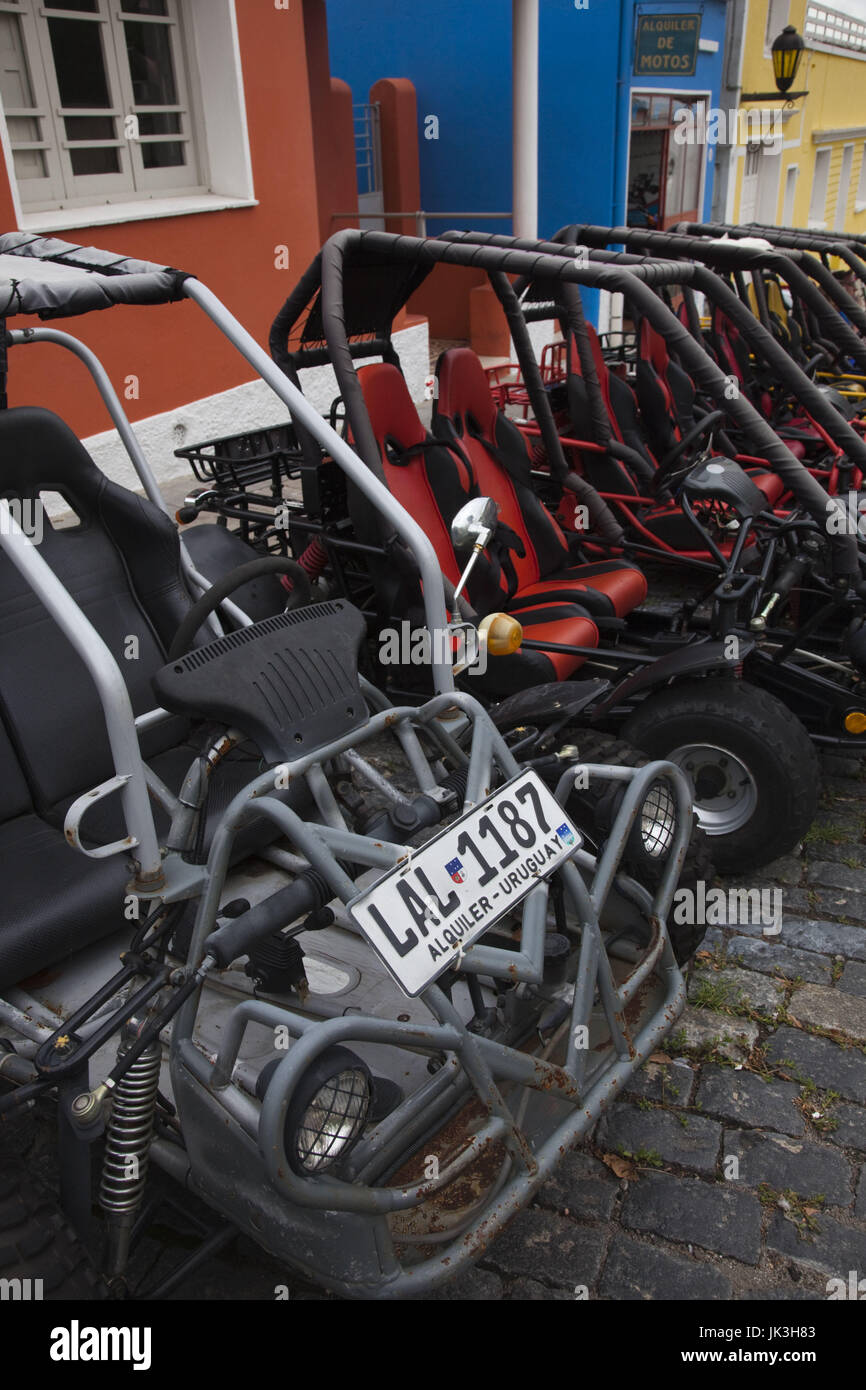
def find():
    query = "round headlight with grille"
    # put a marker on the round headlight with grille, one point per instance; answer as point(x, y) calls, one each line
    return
point(328, 1111)
point(658, 820)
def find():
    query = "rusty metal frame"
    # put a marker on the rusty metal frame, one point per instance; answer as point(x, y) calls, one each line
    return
point(477, 1066)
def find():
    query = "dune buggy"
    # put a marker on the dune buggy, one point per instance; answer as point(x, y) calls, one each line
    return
point(772, 574)
point(357, 1014)
point(582, 616)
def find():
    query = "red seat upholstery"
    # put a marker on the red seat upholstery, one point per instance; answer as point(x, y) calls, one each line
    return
point(432, 482)
point(631, 475)
point(467, 412)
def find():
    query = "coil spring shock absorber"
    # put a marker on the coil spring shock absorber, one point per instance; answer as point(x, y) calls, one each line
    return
point(313, 560)
point(127, 1143)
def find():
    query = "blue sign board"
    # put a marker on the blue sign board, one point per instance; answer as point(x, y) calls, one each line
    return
point(667, 45)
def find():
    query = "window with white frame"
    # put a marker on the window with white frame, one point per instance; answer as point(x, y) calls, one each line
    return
point(820, 184)
point(844, 186)
point(791, 177)
point(97, 102)
point(777, 18)
point(860, 203)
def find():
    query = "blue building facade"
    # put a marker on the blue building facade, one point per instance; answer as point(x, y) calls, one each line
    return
point(606, 142)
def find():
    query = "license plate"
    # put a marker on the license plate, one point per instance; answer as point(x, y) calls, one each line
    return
point(422, 914)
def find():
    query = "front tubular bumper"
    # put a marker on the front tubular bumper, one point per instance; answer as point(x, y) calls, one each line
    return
point(496, 1115)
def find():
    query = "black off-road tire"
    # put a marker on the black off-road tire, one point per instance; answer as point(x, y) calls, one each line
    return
point(36, 1242)
point(594, 808)
point(767, 739)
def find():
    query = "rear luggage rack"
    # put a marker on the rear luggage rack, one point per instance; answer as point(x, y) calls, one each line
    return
point(237, 461)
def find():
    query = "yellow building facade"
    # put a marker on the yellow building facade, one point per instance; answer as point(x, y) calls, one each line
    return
point(810, 169)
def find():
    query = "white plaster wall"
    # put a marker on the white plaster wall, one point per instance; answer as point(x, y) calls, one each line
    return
point(540, 334)
point(247, 407)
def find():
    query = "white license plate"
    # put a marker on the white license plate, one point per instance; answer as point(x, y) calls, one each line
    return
point(421, 914)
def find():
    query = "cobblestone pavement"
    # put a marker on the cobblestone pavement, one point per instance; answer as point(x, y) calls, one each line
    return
point(734, 1166)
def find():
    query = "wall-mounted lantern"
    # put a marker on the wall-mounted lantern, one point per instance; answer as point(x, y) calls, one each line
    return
point(787, 55)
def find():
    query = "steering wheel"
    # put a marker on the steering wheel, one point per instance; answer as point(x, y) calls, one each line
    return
point(235, 579)
point(670, 471)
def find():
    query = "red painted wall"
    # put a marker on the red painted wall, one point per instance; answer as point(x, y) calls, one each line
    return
point(444, 296)
point(176, 353)
point(332, 124)
point(444, 299)
point(401, 180)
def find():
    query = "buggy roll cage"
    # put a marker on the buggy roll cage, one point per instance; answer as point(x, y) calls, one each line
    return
point(700, 277)
point(61, 280)
point(846, 246)
point(356, 270)
point(798, 266)
point(828, 234)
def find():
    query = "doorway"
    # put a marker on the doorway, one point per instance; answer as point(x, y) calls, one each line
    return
point(762, 171)
point(665, 174)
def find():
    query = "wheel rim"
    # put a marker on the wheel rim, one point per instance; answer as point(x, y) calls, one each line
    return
point(725, 792)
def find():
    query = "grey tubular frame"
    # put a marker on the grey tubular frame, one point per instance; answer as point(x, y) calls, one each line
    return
point(120, 722)
point(473, 1063)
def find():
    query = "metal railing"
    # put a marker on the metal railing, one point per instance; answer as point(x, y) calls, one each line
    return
point(368, 147)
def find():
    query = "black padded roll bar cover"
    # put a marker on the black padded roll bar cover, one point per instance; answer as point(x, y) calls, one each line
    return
point(763, 342)
point(847, 247)
point(781, 236)
point(569, 310)
point(799, 267)
point(106, 279)
point(292, 310)
point(602, 519)
point(290, 683)
point(334, 255)
point(601, 424)
point(300, 298)
point(643, 272)
point(753, 331)
point(534, 260)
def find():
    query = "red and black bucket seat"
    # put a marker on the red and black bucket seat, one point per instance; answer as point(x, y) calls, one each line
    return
point(432, 482)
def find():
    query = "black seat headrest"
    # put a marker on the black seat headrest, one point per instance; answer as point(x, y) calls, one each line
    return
point(39, 453)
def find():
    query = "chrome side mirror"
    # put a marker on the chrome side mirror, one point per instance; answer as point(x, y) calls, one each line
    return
point(473, 527)
point(478, 516)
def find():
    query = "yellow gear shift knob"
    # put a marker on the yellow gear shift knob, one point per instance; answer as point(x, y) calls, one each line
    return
point(502, 633)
